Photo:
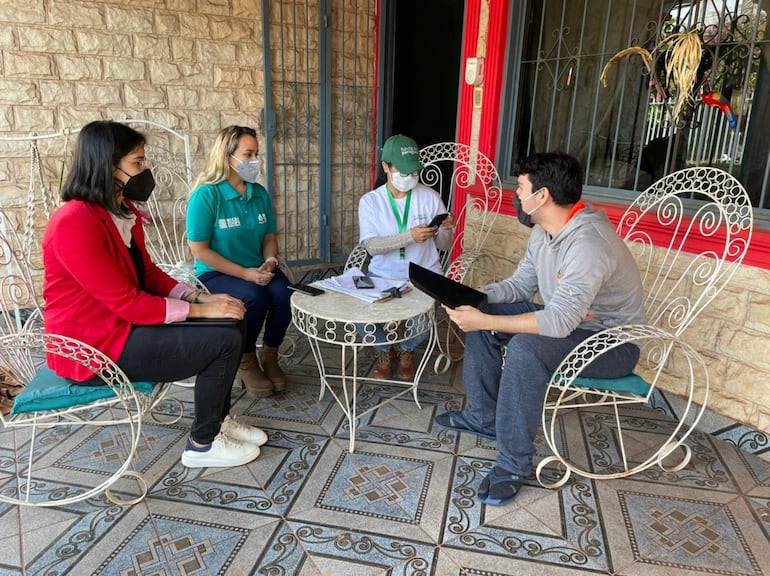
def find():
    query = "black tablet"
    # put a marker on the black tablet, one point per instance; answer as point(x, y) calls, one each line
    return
point(445, 290)
point(306, 289)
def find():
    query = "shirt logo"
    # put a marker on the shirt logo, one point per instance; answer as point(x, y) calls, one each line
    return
point(559, 275)
point(262, 218)
point(225, 223)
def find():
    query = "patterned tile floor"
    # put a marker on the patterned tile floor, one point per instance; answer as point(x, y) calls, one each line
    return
point(403, 503)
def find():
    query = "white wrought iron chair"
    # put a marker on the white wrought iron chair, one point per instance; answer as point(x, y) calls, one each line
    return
point(50, 408)
point(168, 155)
point(707, 217)
point(164, 213)
point(450, 167)
point(358, 258)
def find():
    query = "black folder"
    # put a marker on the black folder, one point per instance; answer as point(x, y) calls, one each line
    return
point(445, 290)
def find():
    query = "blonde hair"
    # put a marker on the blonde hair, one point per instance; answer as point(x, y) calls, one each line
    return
point(218, 166)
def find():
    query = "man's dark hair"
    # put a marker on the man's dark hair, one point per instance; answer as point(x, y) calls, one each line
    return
point(99, 148)
point(561, 173)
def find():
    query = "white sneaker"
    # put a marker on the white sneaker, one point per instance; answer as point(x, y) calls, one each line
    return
point(243, 432)
point(222, 452)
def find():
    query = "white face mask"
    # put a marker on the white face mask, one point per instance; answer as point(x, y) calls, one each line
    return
point(249, 170)
point(403, 183)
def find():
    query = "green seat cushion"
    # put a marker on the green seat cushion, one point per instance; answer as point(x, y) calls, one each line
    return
point(47, 391)
point(631, 384)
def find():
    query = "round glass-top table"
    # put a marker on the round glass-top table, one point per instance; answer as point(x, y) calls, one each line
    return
point(345, 321)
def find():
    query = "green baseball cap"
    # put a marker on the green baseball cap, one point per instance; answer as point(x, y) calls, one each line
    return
point(403, 153)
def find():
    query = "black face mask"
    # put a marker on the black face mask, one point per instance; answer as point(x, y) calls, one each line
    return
point(523, 217)
point(140, 186)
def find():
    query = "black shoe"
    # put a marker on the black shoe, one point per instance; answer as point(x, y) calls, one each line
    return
point(499, 487)
point(456, 421)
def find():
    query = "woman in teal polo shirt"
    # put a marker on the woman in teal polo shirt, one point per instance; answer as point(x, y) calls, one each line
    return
point(231, 232)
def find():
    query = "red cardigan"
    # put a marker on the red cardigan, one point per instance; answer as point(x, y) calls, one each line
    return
point(90, 287)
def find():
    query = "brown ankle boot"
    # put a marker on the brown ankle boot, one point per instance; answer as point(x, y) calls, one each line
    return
point(383, 369)
point(406, 367)
point(255, 382)
point(272, 369)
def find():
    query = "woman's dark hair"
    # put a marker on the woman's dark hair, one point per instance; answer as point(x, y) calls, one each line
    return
point(381, 178)
point(99, 148)
point(557, 171)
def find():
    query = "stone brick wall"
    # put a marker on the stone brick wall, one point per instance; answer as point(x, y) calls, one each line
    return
point(192, 65)
point(732, 333)
point(195, 66)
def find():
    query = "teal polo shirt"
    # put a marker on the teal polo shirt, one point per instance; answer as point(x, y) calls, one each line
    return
point(232, 224)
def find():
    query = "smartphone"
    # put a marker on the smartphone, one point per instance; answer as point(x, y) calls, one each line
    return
point(363, 282)
point(306, 289)
point(438, 220)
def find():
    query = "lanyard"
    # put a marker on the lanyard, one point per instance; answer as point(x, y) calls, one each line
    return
point(400, 220)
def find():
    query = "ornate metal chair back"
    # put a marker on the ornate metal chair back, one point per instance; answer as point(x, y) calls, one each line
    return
point(21, 300)
point(471, 189)
point(706, 218)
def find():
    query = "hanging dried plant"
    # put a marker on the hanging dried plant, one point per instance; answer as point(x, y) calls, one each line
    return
point(646, 58)
point(683, 53)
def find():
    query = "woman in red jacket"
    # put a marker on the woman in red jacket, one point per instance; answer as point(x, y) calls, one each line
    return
point(101, 287)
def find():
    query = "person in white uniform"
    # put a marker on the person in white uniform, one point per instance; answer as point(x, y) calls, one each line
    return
point(393, 220)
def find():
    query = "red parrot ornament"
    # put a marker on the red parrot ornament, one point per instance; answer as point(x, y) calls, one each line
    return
point(717, 100)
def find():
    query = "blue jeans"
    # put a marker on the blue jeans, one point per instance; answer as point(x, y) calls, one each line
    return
point(509, 402)
point(268, 305)
point(407, 345)
point(380, 336)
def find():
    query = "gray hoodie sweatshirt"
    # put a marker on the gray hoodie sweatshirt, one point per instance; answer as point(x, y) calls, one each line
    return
point(586, 276)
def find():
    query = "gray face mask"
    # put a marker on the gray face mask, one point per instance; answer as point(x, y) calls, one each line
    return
point(249, 170)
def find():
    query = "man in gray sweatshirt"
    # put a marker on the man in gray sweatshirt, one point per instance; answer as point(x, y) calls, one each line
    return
point(588, 281)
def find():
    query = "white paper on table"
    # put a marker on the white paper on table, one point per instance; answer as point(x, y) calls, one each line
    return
point(345, 284)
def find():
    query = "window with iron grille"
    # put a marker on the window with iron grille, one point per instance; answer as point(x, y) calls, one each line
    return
point(626, 133)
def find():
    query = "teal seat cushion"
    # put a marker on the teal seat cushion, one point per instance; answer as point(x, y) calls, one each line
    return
point(631, 384)
point(47, 391)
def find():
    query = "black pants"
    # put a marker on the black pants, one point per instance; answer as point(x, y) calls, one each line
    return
point(168, 353)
